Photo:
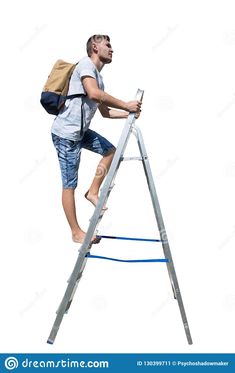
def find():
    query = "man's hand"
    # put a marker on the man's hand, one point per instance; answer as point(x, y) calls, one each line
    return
point(133, 106)
point(137, 114)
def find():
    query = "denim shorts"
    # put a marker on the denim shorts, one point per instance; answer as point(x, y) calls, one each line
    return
point(69, 153)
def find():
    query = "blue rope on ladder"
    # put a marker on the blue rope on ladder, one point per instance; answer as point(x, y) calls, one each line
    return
point(130, 238)
point(88, 255)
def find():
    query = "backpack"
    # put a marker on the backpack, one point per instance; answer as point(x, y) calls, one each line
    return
point(56, 88)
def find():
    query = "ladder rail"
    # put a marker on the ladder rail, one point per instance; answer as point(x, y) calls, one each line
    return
point(162, 231)
point(96, 218)
point(68, 295)
point(105, 191)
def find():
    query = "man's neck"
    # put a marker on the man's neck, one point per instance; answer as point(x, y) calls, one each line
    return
point(96, 61)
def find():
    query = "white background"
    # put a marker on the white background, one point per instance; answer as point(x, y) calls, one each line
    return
point(182, 54)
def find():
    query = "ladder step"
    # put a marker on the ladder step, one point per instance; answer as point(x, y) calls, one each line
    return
point(127, 261)
point(131, 158)
point(130, 238)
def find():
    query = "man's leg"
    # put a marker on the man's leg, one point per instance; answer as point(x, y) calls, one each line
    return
point(68, 202)
point(69, 157)
point(93, 193)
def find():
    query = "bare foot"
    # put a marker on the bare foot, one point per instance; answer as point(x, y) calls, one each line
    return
point(79, 236)
point(93, 198)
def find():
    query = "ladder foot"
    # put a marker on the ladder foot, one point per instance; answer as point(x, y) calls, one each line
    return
point(50, 342)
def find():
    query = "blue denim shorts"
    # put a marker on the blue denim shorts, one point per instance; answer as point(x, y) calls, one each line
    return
point(69, 153)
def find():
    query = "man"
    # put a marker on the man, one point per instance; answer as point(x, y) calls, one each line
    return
point(70, 129)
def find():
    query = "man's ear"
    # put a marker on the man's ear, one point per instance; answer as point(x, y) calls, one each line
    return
point(94, 46)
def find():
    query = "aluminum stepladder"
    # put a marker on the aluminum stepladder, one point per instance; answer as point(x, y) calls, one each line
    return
point(84, 252)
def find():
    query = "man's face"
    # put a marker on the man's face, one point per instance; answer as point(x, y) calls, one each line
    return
point(105, 51)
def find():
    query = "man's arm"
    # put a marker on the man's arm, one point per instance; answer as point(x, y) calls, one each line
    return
point(106, 112)
point(96, 94)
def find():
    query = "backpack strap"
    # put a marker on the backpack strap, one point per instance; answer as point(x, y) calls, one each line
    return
point(82, 119)
point(82, 113)
point(75, 95)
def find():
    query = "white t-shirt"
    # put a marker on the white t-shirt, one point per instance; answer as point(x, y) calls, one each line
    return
point(67, 124)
